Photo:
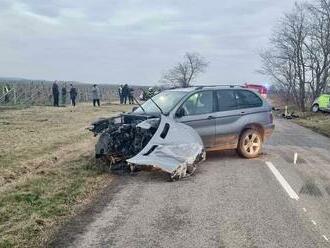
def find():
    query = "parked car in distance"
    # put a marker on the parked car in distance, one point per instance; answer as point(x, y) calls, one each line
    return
point(262, 90)
point(226, 117)
point(322, 103)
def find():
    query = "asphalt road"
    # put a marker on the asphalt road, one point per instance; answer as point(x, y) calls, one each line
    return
point(229, 202)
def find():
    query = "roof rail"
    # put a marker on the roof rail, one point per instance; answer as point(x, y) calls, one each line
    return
point(199, 87)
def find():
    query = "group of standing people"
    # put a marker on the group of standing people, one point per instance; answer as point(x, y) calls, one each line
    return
point(56, 94)
point(126, 93)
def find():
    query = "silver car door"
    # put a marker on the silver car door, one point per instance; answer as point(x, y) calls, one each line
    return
point(198, 112)
point(227, 120)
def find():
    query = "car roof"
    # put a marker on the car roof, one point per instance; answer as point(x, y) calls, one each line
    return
point(208, 87)
point(188, 89)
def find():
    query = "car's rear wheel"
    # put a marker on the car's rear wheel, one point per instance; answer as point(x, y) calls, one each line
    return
point(315, 108)
point(250, 143)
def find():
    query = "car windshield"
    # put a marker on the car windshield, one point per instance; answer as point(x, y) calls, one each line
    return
point(166, 100)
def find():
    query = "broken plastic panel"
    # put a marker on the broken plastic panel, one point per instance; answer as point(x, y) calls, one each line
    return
point(149, 141)
point(175, 148)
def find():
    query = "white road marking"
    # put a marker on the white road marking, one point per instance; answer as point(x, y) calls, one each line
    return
point(314, 222)
point(282, 181)
point(295, 158)
point(325, 237)
point(305, 210)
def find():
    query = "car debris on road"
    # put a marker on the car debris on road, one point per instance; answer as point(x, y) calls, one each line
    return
point(286, 114)
point(142, 140)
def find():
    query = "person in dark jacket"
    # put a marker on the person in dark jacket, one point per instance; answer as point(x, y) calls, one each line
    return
point(64, 91)
point(96, 95)
point(56, 94)
point(125, 93)
point(5, 91)
point(120, 94)
point(131, 95)
point(73, 95)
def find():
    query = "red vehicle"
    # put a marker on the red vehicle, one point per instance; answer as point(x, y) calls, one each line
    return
point(262, 90)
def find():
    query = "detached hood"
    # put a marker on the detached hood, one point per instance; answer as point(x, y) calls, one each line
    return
point(175, 148)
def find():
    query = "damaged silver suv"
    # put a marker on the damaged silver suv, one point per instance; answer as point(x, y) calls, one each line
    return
point(225, 117)
point(173, 129)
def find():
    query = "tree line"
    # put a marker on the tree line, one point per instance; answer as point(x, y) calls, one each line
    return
point(298, 59)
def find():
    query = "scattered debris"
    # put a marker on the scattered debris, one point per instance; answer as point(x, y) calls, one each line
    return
point(146, 140)
point(291, 115)
point(285, 114)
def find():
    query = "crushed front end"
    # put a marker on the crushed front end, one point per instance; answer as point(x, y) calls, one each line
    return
point(146, 140)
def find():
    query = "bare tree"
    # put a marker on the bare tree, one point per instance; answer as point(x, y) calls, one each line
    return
point(185, 72)
point(299, 57)
point(318, 46)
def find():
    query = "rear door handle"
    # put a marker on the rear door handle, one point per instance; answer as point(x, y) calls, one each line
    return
point(242, 113)
point(210, 117)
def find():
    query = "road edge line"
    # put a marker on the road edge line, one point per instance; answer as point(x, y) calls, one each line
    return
point(282, 181)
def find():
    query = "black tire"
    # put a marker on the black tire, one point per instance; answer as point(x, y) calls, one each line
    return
point(250, 143)
point(315, 108)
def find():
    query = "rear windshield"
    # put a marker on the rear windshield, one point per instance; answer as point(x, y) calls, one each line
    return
point(166, 100)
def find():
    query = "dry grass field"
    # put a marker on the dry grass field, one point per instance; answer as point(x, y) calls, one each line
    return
point(45, 172)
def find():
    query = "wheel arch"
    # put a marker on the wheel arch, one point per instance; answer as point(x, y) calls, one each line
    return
point(254, 126)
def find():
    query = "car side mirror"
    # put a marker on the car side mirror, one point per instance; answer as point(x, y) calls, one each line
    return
point(180, 113)
point(134, 108)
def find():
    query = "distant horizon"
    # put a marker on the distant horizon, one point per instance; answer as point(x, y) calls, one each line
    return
point(119, 83)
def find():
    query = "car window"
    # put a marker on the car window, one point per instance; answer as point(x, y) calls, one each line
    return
point(247, 99)
point(226, 100)
point(199, 103)
point(166, 100)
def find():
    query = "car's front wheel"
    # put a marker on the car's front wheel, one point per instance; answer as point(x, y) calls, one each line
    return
point(315, 108)
point(250, 143)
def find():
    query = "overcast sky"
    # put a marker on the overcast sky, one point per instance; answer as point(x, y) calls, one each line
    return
point(134, 41)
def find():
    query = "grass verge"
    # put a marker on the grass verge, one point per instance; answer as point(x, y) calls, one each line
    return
point(319, 122)
point(46, 156)
point(31, 209)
